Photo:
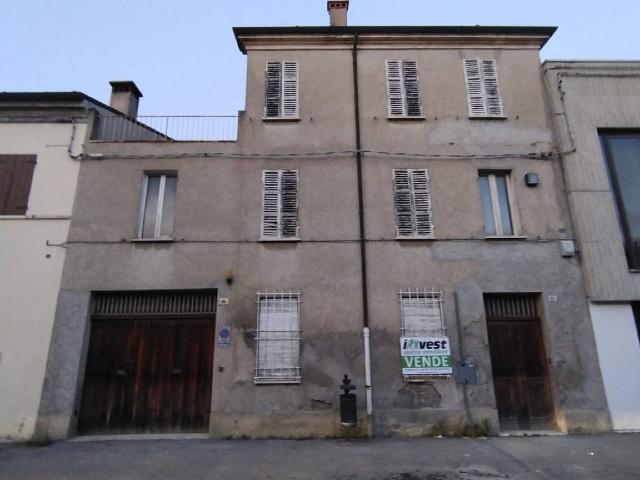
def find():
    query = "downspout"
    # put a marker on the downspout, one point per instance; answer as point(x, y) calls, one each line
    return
point(363, 245)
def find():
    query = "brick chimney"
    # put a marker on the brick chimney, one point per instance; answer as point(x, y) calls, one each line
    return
point(124, 97)
point(338, 13)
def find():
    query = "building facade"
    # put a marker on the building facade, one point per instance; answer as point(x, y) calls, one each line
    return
point(388, 185)
point(596, 109)
point(41, 140)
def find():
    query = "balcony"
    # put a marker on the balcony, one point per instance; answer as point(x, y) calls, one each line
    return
point(166, 128)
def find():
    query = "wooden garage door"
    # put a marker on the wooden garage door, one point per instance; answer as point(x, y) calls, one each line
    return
point(519, 365)
point(149, 365)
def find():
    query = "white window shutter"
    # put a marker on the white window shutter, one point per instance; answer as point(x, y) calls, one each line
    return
point(270, 204)
point(491, 90)
point(290, 89)
point(421, 203)
point(412, 203)
point(411, 88)
point(395, 88)
point(273, 89)
point(402, 199)
point(475, 94)
point(289, 203)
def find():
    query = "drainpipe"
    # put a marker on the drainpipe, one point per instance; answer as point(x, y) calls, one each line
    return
point(363, 245)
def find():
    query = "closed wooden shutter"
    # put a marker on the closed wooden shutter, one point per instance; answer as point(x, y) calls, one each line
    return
point(290, 89)
point(412, 203)
point(403, 91)
point(16, 175)
point(395, 90)
point(273, 87)
point(281, 90)
point(279, 204)
point(411, 88)
point(483, 93)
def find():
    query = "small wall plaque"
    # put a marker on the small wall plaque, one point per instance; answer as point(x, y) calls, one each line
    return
point(224, 337)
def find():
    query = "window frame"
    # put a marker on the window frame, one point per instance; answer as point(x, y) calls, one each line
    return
point(403, 88)
point(482, 83)
point(280, 237)
point(432, 295)
point(495, 203)
point(159, 206)
point(283, 295)
point(415, 235)
point(281, 100)
point(633, 260)
point(19, 173)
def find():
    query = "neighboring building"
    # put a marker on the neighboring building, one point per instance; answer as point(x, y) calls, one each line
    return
point(41, 139)
point(386, 182)
point(596, 107)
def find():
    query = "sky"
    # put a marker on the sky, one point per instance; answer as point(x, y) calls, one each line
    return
point(183, 55)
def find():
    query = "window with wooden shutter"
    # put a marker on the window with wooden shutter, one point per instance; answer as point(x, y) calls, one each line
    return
point(16, 175)
point(421, 312)
point(280, 205)
point(412, 203)
point(483, 92)
point(278, 338)
point(403, 89)
point(281, 90)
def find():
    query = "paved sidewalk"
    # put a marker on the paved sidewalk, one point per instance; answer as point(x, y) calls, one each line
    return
point(615, 456)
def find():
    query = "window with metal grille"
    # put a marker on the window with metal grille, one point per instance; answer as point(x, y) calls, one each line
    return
point(421, 312)
point(280, 205)
point(281, 90)
point(153, 303)
point(497, 205)
point(412, 203)
point(278, 337)
point(403, 88)
point(158, 206)
point(483, 92)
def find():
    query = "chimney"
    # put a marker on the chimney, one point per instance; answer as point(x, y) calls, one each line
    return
point(338, 13)
point(124, 97)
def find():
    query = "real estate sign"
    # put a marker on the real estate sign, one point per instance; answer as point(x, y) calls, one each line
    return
point(425, 356)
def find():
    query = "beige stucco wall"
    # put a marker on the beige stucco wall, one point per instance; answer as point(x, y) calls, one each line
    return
point(30, 271)
point(587, 96)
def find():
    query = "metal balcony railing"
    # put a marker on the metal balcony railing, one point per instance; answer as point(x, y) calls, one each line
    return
point(166, 128)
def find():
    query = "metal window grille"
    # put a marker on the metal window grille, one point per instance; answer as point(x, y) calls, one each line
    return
point(511, 306)
point(153, 303)
point(278, 337)
point(421, 312)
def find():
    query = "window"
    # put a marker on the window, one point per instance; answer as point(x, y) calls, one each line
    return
point(281, 90)
point(421, 312)
point(278, 338)
point(622, 151)
point(412, 203)
point(280, 205)
point(495, 190)
point(403, 89)
point(158, 206)
point(483, 93)
point(16, 173)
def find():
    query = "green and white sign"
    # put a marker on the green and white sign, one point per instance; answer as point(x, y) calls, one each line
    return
point(426, 356)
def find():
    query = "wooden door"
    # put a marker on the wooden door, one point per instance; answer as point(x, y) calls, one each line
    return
point(148, 375)
point(519, 366)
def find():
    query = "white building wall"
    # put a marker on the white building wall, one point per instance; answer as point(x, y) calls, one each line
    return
point(30, 270)
point(619, 353)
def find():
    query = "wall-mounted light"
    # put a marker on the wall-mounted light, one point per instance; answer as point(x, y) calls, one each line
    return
point(531, 179)
point(228, 276)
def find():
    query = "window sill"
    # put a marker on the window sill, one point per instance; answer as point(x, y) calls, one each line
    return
point(417, 118)
point(634, 270)
point(425, 378)
point(505, 237)
point(415, 238)
point(281, 119)
point(276, 240)
point(152, 240)
point(488, 117)
point(277, 381)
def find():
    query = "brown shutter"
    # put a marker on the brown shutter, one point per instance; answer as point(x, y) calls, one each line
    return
point(16, 174)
